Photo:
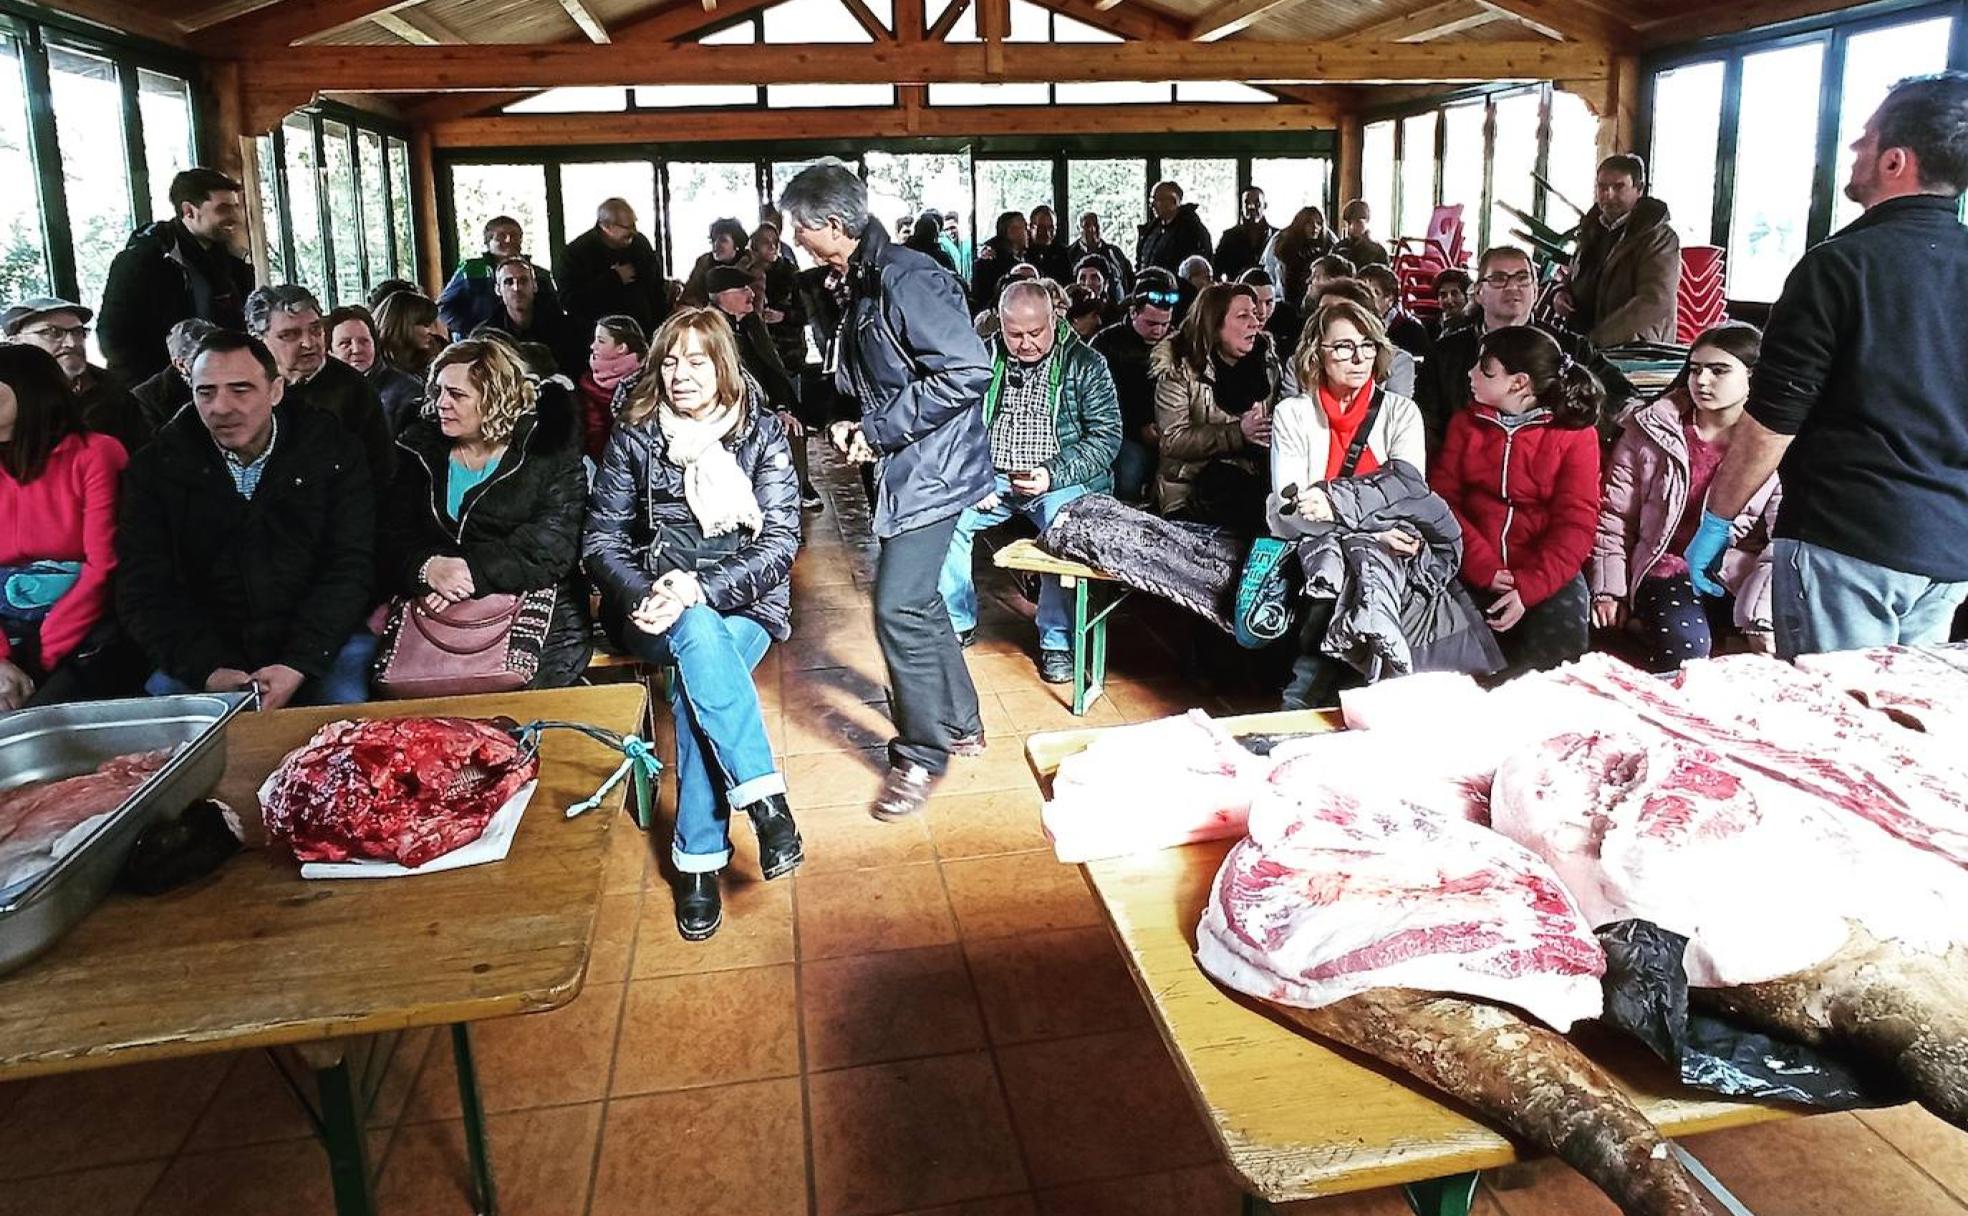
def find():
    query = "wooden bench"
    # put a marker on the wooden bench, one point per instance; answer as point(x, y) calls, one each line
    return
point(1089, 639)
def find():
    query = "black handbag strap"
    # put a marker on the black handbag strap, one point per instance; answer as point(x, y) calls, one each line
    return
point(1359, 445)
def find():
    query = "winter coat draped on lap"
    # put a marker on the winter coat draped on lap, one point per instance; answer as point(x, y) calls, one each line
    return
point(518, 530)
point(1194, 566)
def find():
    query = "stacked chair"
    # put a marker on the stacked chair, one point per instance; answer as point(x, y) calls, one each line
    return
point(1701, 300)
point(1418, 260)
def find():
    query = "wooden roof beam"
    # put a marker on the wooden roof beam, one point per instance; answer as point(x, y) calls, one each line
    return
point(1437, 20)
point(583, 17)
point(418, 29)
point(1706, 20)
point(1231, 16)
point(1133, 21)
point(127, 16)
point(288, 21)
point(1576, 20)
point(952, 13)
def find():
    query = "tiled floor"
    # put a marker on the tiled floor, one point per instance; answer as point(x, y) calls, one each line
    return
point(930, 1018)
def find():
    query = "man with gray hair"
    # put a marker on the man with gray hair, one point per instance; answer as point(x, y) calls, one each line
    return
point(907, 354)
point(287, 318)
point(164, 394)
point(1054, 423)
point(612, 270)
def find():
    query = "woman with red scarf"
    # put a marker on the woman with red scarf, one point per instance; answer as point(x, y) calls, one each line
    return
point(618, 349)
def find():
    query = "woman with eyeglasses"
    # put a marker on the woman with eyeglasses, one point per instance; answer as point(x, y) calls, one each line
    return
point(1215, 384)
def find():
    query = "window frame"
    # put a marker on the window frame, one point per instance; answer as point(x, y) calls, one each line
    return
point(355, 123)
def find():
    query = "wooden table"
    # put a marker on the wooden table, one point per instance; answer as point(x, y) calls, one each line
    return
point(259, 957)
point(1295, 1117)
point(1089, 639)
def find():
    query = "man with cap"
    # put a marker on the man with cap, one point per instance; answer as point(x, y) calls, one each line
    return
point(175, 269)
point(612, 270)
point(62, 329)
point(732, 294)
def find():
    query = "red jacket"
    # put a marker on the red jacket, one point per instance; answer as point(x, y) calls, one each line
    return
point(67, 514)
point(1528, 500)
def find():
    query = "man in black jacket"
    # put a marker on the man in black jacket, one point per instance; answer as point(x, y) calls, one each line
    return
point(287, 319)
point(471, 298)
point(612, 270)
point(526, 314)
point(1125, 345)
point(173, 269)
point(1175, 232)
point(101, 400)
point(1242, 247)
point(1046, 252)
point(1860, 400)
point(245, 541)
point(919, 371)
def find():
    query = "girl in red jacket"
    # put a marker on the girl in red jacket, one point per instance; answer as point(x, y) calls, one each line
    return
point(57, 534)
point(1520, 468)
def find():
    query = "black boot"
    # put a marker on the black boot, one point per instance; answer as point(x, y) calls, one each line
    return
point(780, 851)
point(699, 907)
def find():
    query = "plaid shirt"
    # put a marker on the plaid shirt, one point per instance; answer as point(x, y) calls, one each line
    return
point(246, 474)
point(1024, 435)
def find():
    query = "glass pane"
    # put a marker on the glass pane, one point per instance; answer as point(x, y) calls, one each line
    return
point(906, 183)
point(813, 21)
point(1774, 168)
point(1376, 170)
point(375, 224)
point(1687, 127)
point(1011, 185)
point(814, 96)
point(164, 103)
point(1874, 62)
point(1574, 160)
point(745, 33)
point(585, 187)
point(1417, 178)
point(1115, 190)
point(95, 171)
point(573, 99)
point(303, 193)
point(677, 96)
point(1113, 92)
point(23, 249)
point(479, 192)
point(1291, 182)
point(1066, 29)
point(1515, 161)
point(1210, 184)
point(990, 95)
point(344, 222)
point(403, 227)
point(701, 192)
point(270, 211)
point(1219, 90)
point(1462, 161)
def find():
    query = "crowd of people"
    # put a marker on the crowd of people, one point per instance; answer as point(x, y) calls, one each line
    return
point(256, 494)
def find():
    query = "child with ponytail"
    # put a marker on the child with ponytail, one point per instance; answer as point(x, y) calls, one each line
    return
point(1520, 469)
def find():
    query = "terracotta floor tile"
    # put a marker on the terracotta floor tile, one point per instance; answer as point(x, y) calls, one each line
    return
point(1003, 1205)
point(987, 824)
point(290, 1178)
point(836, 722)
point(848, 838)
point(1017, 893)
point(757, 931)
point(914, 1134)
point(629, 860)
point(534, 1059)
point(614, 939)
point(840, 778)
point(1202, 1191)
point(1388, 1201)
point(830, 639)
point(1826, 1165)
point(861, 911)
point(1054, 985)
point(1551, 1188)
point(115, 1191)
point(1103, 1106)
point(869, 1008)
point(718, 1028)
point(736, 1150)
point(1051, 708)
point(254, 1106)
point(1934, 1146)
point(106, 1116)
point(815, 598)
point(1145, 702)
point(1003, 672)
point(1001, 767)
point(828, 685)
point(541, 1163)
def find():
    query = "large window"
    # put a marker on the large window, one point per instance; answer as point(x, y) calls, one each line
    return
point(702, 192)
point(335, 206)
point(1011, 185)
point(1212, 185)
point(908, 183)
point(23, 245)
point(586, 185)
point(1574, 152)
point(1462, 160)
point(1512, 165)
point(1292, 182)
point(164, 104)
point(88, 106)
point(1768, 227)
point(1115, 189)
point(1417, 178)
point(1874, 61)
point(1687, 133)
point(344, 222)
point(307, 262)
point(1376, 172)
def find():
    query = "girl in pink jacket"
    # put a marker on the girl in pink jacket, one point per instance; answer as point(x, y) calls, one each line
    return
point(1656, 481)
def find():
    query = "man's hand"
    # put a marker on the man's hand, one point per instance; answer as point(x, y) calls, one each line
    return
point(1031, 484)
point(450, 577)
point(15, 686)
point(624, 271)
point(1704, 554)
point(227, 679)
point(278, 684)
point(1150, 436)
point(988, 503)
point(1506, 612)
point(794, 429)
point(1561, 302)
point(772, 315)
point(1608, 612)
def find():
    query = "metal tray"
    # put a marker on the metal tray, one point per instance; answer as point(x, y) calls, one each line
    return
point(58, 741)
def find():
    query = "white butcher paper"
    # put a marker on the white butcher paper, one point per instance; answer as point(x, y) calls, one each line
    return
point(1152, 785)
point(492, 845)
point(1923, 686)
point(1333, 895)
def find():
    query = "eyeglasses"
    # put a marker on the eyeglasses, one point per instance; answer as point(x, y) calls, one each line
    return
point(1522, 278)
point(1163, 299)
point(1349, 351)
point(56, 333)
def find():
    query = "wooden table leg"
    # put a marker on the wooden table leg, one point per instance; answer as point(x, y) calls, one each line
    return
point(485, 1194)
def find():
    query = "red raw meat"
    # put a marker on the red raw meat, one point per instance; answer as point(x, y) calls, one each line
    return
point(34, 816)
point(400, 789)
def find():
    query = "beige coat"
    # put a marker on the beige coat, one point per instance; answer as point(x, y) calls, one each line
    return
point(1626, 283)
point(1194, 429)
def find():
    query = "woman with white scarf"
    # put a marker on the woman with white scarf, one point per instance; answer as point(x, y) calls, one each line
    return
point(693, 524)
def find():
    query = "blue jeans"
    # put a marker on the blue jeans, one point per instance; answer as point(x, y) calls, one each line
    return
point(1134, 469)
point(960, 593)
point(1823, 600)
point(716, 709)
point(346, 682)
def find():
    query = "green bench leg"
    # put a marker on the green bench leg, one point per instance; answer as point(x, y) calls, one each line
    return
point(343, 1136)
point(485, 1194)
point(1451, 1196)
point(1080, 598)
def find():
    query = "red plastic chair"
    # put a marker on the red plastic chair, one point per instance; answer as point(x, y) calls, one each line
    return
point(1701, 302)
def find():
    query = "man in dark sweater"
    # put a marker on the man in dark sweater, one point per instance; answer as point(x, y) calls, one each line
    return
point(1173, 233)
point(288, 320)
point(173, 269)
point(1242, 247)
point(1860, 400)
point(1125, 345)
point(612, 270)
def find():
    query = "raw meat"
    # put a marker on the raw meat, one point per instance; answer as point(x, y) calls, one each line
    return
point(41, 821)
point(1331, 896)
point(1152, 786)
point(399, 789)
point(1924, 687)
point(1529, 1079)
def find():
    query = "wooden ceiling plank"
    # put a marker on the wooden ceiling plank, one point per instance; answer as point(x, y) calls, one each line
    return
point(583, 17)
point(1133, 21)
point(1437, 20)
point(289, 21)
point(1104, 5)
point(1230, 16)
point(1565, 19)
point(126, 17)
point(1711, 20)
point(419, 28)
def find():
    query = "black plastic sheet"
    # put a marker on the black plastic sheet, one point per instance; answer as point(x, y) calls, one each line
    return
point(1647, 997)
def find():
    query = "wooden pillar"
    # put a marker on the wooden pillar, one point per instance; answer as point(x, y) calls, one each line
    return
point(423, 172)
point(251, 177)
point(228, 111)
point(1615, 98)
point(1352, 132)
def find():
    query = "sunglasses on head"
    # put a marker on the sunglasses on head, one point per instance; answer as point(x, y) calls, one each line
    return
point(1165, 299)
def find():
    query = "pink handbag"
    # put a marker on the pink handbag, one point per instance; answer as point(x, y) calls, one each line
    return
point(490, 643)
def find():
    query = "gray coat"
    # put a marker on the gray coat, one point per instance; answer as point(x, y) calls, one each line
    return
point(908, 354)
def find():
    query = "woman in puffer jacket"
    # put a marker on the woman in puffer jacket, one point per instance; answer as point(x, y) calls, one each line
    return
point(1657, 478)
point(693, 524)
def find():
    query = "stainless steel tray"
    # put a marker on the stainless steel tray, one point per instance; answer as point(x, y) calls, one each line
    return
point(57, 741)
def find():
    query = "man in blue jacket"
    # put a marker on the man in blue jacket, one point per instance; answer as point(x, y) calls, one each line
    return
point(908, 355)
point(1860, 400)
point(1054, 427)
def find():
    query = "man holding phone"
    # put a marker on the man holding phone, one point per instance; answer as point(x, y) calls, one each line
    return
point(1055, 427)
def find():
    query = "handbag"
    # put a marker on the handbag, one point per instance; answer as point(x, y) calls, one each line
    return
point(29, 592)
point(489, 643)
